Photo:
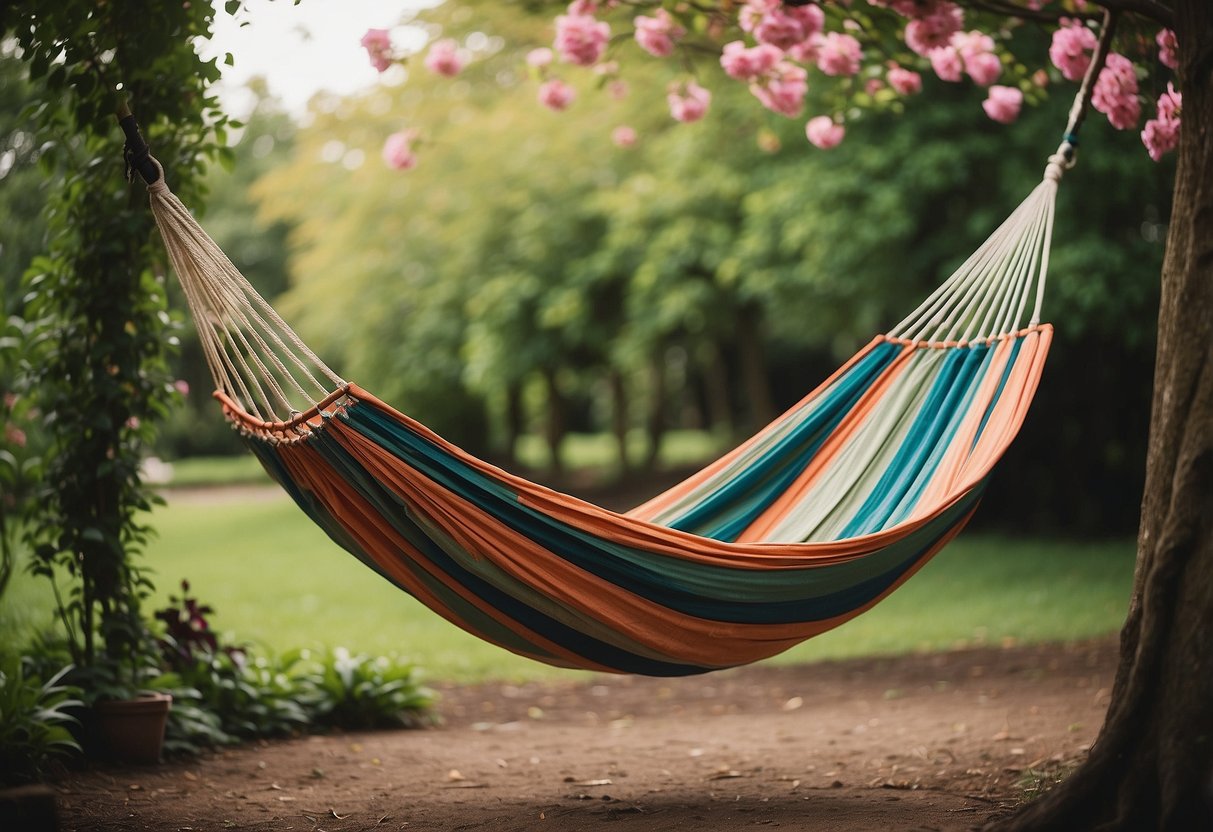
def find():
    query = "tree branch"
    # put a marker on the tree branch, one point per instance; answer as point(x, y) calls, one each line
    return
point(1155, 10)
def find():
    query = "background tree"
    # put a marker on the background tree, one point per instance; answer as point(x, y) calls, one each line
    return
point(1153, 764)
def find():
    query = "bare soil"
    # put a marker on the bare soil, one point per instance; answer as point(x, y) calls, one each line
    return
point(926, 742)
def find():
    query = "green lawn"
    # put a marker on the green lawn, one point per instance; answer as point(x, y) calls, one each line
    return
point(275, 580)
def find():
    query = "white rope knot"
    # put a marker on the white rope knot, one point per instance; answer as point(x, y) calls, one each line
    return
point(1060, 162)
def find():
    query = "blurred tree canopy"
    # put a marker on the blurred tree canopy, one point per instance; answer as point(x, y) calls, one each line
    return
point(529, 272)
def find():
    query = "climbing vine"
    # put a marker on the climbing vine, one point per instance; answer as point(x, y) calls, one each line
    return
point(98, 334)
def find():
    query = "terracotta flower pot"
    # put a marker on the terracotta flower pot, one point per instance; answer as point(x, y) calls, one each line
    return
point(132, 730)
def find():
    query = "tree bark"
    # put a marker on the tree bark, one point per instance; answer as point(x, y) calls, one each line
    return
point(514, 419)
point(654, 421)
point(1152, 766)
point(619, 417)
point(556, 424)
point(751, 349)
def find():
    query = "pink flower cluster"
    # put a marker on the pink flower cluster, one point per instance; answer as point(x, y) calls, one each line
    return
point(904, 81)
point(398, 150)
point(749, 64)
point(1161, 134)
point(688, 102)
point(784, 27)
point(624, 136)
point(1167, 46)
point(824, 132)
point(1071, 49)
point(378, 46)
point(580, 38)
point(839, 54)
point(1115, 93)
point(556, 94)
point(443, 58)
point(657, 35)
point(782, 90)
point(1003, 103)
point(932, 24)
point(970, 52)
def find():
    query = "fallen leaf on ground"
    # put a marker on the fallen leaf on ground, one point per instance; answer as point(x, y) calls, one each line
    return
point(454, 774)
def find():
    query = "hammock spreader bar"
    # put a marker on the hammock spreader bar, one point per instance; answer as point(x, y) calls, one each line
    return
point(807, 524)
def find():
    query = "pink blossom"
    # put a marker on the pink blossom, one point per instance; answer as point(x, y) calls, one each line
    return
point(823, 132)
point(969, 44)
point(10, 400)
point(783, 89)
point(398, 150)
point(839, 54)
point(580, 39)
point(811, 17)
point(556, 94)
point(983, 68)
point(807, 50)
point(904, 81)
point(539, 58)
point(781, 26)
point(623, 136)
point(1071, 49)
point(583, 7)
point(133, 422)
point(747, 64)
point(873, 86)
point(1115, 93)
point(1161, 134)
point(935, 29)
point(443, 58)
point(618, 89)
point(1003, 103)
point(947, 63)
point(1167, 46)
point(378, 45)
point(13, 435)
point(657, 35)
point(688, 103)
point(182, 386)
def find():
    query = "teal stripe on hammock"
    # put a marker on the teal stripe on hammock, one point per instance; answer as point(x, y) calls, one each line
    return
point(729, 509)
point(953, 386)
point(1002, 383)
point(911, 500)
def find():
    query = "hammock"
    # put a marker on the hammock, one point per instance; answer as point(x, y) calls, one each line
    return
point(809, 523)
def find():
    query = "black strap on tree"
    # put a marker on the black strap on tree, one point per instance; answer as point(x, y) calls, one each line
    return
point(136, 154)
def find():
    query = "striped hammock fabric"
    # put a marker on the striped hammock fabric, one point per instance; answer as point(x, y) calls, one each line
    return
point(809, 523)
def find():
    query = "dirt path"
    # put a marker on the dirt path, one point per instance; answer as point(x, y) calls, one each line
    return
point(932, 742)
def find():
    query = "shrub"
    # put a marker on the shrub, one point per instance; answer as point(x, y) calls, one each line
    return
point(33, 721)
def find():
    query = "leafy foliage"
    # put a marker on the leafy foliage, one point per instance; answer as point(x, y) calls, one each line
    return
point(34, 720)
point(701, 256)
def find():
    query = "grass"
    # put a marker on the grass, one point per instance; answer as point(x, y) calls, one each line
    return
point(276, 581)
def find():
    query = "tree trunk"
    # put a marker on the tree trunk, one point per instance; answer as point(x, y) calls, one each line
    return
point(514, 418)
point(556, 424)
point(752, 352)
point(619, 417)
point(1152, 766)
point(716, 386)
point(654, 422)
